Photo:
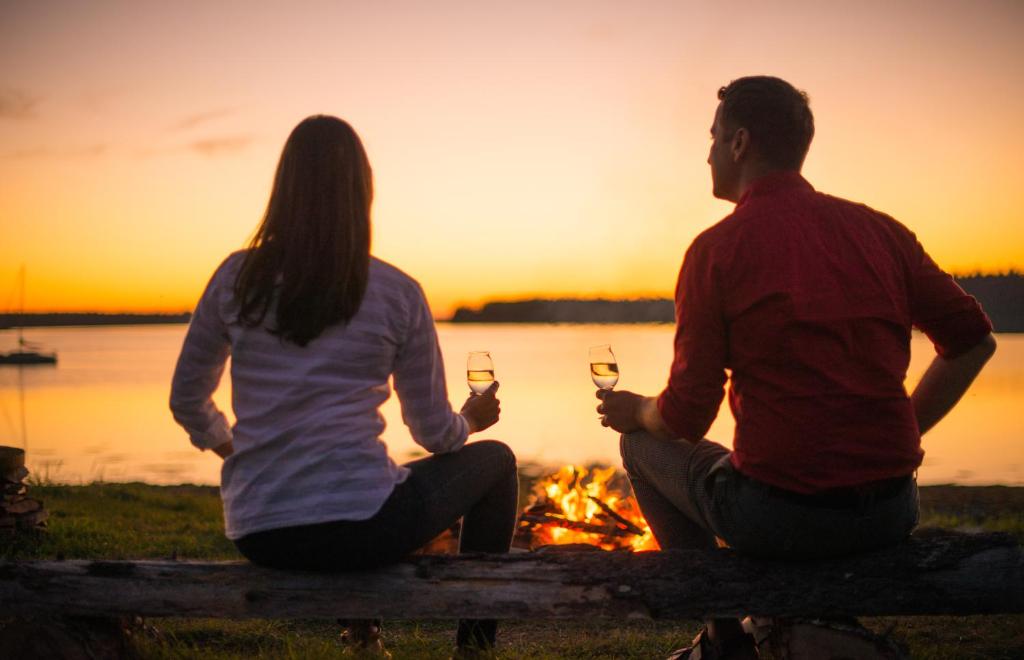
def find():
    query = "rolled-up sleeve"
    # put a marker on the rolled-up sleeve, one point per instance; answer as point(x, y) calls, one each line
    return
point(420, 384)
point(690, 402)
point(199, 370)
point(952, 319)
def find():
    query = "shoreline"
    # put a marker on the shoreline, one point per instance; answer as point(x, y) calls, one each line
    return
point(88, 319)
point(134, 320)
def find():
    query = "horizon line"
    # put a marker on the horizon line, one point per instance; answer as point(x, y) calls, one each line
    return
point(1010, 272)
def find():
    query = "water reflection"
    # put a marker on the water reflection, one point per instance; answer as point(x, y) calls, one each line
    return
point(102, 412)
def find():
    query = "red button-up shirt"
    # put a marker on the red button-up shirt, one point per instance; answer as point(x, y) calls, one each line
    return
point(809, 301)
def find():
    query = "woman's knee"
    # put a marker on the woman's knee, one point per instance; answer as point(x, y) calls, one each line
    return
point(497, 451)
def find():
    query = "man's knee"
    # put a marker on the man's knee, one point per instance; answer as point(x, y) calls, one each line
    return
point(631, 447)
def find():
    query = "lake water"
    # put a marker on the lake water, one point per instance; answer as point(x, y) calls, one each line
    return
point(101, 414)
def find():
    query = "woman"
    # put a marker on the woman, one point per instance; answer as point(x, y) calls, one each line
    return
point(315, 327)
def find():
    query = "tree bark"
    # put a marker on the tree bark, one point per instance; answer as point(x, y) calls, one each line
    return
point(944, 573)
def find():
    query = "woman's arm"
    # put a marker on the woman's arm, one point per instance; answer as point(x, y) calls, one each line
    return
point(197, 374)
point(420, 384)
point(225, 449)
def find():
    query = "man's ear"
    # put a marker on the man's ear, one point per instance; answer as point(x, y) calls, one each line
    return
point(740, 145)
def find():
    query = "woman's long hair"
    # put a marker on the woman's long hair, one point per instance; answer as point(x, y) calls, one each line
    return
point(311, 252)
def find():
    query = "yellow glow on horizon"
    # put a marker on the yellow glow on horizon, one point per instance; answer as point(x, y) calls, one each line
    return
point(533, 150)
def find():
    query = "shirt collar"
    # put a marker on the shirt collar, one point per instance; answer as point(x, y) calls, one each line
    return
point(774, 182)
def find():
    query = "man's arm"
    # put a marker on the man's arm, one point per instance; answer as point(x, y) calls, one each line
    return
point(689, 403)
point(945, 382)
point(959, 330)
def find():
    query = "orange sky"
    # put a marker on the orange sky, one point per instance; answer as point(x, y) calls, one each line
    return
point(527, 148)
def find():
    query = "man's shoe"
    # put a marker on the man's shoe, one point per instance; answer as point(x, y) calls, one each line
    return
point(362, 637)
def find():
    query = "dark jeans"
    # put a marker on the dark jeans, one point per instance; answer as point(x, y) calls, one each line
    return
point(689, 493)
point(478, 483)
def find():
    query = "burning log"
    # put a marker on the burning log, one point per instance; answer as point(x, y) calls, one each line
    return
point(577, 505)
point(576, 525)
point(628, 525)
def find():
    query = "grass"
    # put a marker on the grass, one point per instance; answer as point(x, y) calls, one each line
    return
point(132, 521)
point(127, 521)
point(409, 639)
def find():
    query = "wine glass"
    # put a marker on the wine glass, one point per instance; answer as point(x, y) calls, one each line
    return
point(479, 371)
point(604, 369)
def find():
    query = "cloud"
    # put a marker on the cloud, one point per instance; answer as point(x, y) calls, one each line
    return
point(191, 121)
point(91, 151)
point(25, 154)
point(221, 145)
point(209, 147)
point(98, 100)
point(17, 104)
point(87, 151)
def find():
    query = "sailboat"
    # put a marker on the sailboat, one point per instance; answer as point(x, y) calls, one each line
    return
point(27, 353)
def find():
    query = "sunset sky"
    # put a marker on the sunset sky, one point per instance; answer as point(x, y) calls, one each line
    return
point(519, 148)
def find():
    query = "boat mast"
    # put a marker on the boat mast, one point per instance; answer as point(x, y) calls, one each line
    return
point(21, 400)
point(21, 311)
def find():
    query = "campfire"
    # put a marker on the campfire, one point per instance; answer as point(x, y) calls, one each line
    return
point(572, 506)
point(577, 505)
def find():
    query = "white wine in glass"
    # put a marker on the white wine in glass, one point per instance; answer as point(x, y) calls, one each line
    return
point(604, 369)
point(479, 371)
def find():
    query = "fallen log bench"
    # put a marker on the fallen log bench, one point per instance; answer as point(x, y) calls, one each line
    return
point(932, 573)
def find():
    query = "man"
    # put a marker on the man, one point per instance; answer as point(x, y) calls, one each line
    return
point(809, 300)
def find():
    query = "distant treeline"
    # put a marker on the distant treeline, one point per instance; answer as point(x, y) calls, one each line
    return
point(648, 310)
point(88, 318)
point(1002, 296)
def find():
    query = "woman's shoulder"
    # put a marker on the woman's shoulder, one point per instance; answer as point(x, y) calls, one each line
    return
point(393, 278)
point(229, 267)
point(221, 285)
point(234, 260)
point(224, 275)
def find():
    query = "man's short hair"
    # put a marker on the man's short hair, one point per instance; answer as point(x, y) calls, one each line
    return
point(776, 115)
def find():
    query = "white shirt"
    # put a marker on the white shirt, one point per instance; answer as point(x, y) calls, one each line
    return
point(307, 437)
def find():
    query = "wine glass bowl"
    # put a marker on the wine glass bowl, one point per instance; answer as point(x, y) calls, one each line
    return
point(604, 369)
point(479, 371)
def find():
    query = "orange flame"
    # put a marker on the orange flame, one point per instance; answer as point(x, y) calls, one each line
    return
point(569, 495)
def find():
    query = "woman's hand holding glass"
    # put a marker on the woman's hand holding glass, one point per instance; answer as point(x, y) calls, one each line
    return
point(482, 408)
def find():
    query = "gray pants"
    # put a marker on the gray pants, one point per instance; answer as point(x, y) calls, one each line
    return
point(690, 493)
